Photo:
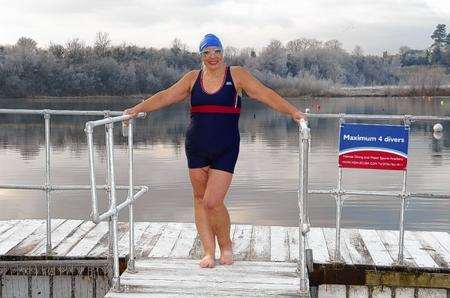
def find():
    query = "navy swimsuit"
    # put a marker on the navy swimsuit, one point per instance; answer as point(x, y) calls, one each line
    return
point(213, 138)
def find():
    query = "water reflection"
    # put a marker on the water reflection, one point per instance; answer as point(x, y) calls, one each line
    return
point(264, 187)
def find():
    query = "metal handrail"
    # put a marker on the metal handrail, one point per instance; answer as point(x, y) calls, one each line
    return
point(106, 113)
point(339, 191)
point(411, 118)
point(89, 132)
point(48, 187)
point(114, 209)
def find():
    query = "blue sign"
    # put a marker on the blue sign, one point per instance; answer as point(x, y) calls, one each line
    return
point(373, 146)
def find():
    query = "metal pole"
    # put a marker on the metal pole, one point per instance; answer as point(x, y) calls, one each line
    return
point(339, 203)
point(131, 262)
point(116, 277)
point(47, 183)
point(401, 236)
point(302, 194)
point(108, 193)
point(90, 142)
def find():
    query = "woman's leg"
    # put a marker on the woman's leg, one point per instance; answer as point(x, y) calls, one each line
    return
point(199, 179)
point(217, 214)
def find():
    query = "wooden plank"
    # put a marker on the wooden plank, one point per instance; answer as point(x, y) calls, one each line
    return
point(241, 242)
point(432, 293)
point(279, 245)
point(358, 292)
point(15, 286)
point(439, 253)
point(84, 286)
point(238, 266)
point(163, 294)
point(34, 239)
point(260, 244)
point(73, 238)
point(149, 238)
point(332, 291)
point(356, 247)
point(6, 225)
point(102, 247)
point(404, 292)
point(316, 241)
point(185, 242)
point(293, 239)
point(330, 238)
point(16, 234)
point(101, 286)
point(89, 241)
point(376, 248)
point(62, 286)
point(443, 238)
point(40, 286)
point(224, 276)
point(205, 284)
point(124, 242)
point(381, 292)
point(58, 235)
point(166, 241)
point(199, 291)
point(421, 257)
point(390, 241)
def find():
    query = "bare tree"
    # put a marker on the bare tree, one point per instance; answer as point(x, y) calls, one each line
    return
point(102, 43)
point(76, 51)
point(27, 43)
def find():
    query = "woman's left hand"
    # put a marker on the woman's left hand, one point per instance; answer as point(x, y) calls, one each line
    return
point(297, 116)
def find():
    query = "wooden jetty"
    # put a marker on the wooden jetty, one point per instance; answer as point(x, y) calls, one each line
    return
point(167, 259)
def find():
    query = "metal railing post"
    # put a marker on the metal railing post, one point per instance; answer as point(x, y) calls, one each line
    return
point(108, 191)
point(90, 141)
point(339, 203)
point(302, 195)
point(131, 262)
point(403, 196)
point(48, 183)
point(113, 206)
point(401, 236)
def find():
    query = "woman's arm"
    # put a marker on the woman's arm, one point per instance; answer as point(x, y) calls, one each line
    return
point(175, 93)
point(255, 89)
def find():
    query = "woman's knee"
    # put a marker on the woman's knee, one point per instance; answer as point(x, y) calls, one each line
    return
point(212, 204)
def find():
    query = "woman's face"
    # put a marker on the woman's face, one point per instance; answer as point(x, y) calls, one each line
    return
point(212, 57)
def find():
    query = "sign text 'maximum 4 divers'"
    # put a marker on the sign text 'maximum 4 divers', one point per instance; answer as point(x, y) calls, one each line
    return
point(373, 146)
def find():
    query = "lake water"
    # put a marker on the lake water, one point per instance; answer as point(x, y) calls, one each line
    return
point(264, 188)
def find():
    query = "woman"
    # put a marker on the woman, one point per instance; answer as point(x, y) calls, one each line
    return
point(212, 140)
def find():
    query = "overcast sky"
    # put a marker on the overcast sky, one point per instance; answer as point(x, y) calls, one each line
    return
point(376, 25)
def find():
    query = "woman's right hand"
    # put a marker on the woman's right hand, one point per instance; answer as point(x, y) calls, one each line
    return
point(133, 112)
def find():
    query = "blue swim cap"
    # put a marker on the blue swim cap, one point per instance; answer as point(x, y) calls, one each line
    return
point(210, 40)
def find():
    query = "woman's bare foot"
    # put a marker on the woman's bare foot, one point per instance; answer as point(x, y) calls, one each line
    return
point(207, 262)
point(226, 257)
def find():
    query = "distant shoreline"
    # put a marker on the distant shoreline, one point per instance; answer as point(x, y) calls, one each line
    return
point(364, 91)
point(390, 91)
